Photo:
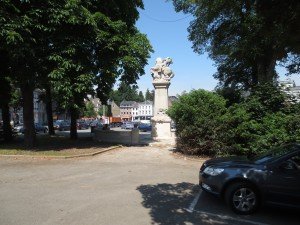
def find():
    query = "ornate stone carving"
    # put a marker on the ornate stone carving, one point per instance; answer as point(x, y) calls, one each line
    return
point(161, 70)
point(161, 112)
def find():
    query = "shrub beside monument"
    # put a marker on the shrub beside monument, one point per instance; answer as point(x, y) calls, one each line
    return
point(205, 126)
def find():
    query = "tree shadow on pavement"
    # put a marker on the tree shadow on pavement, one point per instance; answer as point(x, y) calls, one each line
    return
point(168, 204)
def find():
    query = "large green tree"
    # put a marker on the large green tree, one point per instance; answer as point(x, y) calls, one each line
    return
point(126, 92)
point(70, 46)
point(246, 38)
point(107, 48)
point(89, 110)
point(149, 95)
point(141, 96)
point(23, 27)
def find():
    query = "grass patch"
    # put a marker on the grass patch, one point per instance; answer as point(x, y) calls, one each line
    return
point(53, 146)
point(34, 153)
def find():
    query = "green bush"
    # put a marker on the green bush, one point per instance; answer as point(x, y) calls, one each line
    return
point(197, 118)
point(206, 127)
point(242, 135)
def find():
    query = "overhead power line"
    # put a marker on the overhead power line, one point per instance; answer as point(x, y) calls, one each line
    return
point(164, 21)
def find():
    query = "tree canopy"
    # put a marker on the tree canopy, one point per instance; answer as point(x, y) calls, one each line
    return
point(149, 95)
point(126, 92)
point(89, 110)
point(245, 38)
point(71, 47)
point(141, 96)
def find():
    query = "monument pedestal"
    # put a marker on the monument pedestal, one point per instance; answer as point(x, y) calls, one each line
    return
point(161, 122)
point(161, 127)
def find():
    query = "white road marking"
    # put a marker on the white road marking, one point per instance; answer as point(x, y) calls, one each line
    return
point(194, 202)
point(224, 217)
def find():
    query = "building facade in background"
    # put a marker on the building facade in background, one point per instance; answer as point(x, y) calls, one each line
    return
point(290, 88)
point(39, 108)
point(96, 102)
point(136, 111)
point(144, 112)
point(126, 110)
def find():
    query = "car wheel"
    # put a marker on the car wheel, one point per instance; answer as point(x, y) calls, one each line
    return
point(242, 198)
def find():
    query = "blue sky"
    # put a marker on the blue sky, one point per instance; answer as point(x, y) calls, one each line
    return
point(170, 39)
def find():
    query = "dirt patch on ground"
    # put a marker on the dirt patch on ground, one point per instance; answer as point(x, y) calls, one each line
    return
point(180, 155)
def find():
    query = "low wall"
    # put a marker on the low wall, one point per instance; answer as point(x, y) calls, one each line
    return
point(119, 137)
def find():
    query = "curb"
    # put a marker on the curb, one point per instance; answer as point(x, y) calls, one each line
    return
point(94, 153)
point(65, 157)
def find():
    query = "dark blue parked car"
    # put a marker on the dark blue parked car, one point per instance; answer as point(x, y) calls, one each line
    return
point(40, 128)
point(145, 127)
point(245, 184)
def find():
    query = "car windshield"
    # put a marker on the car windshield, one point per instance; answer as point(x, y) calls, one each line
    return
point(273, 154)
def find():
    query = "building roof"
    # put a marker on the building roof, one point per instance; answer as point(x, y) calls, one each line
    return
point(147, 102)
point(127, 103)
point(135, 105)
point(111, 102)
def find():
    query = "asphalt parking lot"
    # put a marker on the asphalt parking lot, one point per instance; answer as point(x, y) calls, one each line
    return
point(216, 210)
point(133, 185)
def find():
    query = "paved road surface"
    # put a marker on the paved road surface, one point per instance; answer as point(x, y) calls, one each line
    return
point(130, 186)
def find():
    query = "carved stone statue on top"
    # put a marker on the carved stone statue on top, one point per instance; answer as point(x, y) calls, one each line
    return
point(161, 70)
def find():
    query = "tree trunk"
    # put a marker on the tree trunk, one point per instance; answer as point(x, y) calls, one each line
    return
point(6, 123)
point(49, 111)
point(5, 95)
point(73, 129)
point(266, 70)
point(29, 129)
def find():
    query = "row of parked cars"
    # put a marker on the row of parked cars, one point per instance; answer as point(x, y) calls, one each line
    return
point(60, 125)
point(38, 128)
point(65, 125)
point(141, 126)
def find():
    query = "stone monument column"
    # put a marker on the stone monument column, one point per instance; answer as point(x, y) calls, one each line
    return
point(161, 101)
point(161, 122)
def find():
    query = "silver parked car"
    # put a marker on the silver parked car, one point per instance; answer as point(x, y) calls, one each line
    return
point(127, 125)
